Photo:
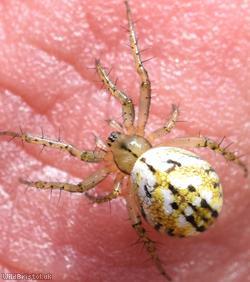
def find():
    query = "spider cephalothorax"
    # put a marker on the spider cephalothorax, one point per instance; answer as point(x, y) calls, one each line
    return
point(126, 149)
point(173, 189)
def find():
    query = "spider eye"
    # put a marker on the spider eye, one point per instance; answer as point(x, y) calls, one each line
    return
point(114, 136)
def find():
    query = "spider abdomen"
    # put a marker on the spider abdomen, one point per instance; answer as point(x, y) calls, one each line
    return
point(178, 193)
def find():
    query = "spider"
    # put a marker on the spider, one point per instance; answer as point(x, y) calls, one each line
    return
point(174, 190)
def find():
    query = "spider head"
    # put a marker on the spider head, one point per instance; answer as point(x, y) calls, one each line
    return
point(113, 137)
point(126, 149)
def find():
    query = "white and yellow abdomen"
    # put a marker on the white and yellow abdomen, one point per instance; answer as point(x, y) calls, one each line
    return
point(178, 193)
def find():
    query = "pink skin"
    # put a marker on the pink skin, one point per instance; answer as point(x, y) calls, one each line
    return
point(201, 62)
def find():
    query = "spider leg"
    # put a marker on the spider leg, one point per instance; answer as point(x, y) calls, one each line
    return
point(128, 111)
point(83, 186)
point(101, 144)
point(169, 125)
point(87, 156)
point(145, 87)
point(143, 236)
point(115, 124)
point(108, 197)
point(205, 142)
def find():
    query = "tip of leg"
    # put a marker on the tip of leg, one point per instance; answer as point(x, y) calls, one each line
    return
point(97, 62)
point(23, 181)
point(127, 5)
point(245, 172)
point(165, 275)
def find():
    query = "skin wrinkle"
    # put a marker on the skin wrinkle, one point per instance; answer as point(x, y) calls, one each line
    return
point(16, 93)
point(22, 35)
point(98, 32)
point(27, 101)
point(61, 57)
point(13, 91)
point(17, 90)
point(100, 241)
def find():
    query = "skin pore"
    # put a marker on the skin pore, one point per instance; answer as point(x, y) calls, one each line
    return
point(47, 50)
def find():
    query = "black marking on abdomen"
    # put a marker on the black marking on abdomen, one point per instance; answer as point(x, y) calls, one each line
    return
point(197, 212)
point(172, 189)
point(191, 220)
point(147, 192)
point(204, 204)
point(151, 168)
point(192, 207)
point(216, 185)
point(209, 170)
point(191, 188)
point(174, 205)
point(174, 162)
point(170, 232)
point(201, 228)
point(158, 226)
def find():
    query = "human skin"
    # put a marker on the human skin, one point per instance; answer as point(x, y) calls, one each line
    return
point(47, 51)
